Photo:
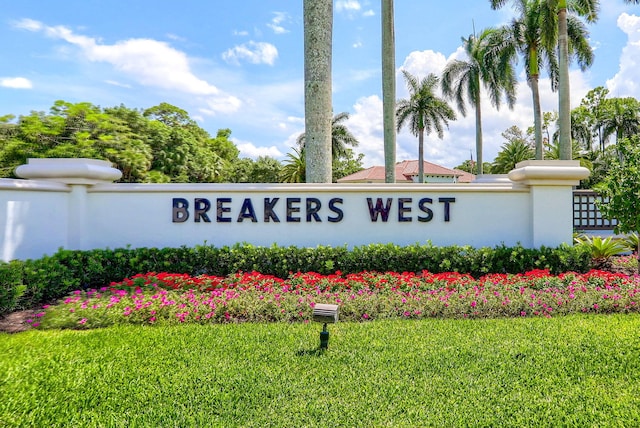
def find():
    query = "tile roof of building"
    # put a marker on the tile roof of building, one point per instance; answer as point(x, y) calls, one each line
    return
point(405, 170)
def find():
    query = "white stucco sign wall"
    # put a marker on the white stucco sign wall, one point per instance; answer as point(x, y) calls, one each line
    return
point(72, 203)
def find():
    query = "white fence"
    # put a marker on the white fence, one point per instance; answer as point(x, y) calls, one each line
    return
point(74, 204)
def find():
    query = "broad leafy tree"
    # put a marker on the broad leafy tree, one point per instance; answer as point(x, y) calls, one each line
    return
point(423, 111)
point(265, 169)
point(593, 109)
point(160, 144)
point(348, 164)
point(622, 187)
point(487, 65)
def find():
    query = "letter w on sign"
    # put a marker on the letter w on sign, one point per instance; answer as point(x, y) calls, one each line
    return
point(380, 209)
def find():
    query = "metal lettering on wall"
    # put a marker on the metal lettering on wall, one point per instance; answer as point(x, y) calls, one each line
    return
point(308, 210)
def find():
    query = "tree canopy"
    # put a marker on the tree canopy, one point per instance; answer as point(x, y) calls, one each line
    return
point(159, 144)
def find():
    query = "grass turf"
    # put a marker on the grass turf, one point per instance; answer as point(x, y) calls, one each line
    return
point(579, 370)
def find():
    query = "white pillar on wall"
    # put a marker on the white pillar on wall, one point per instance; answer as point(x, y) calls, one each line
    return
point(551, 186)
point(79, 175)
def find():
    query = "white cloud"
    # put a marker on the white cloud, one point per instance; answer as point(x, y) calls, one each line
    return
point(28, 24)
point(253, 52)
point(115, 83)
point(175, 37)
point(459, 140)
point(149, 62)
point(276, 22)
point(347, 5)
point(365, 123)
point(369, 12)
point(15, 83)
point(292, 124)
point(250, 150)
point(420, 64)
point(625, 82)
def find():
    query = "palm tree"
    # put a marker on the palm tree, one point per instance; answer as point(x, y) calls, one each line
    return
point(341, 137)
point(621, 118)
point(553, 152)
point(294, 168)
point(487, 64)
point(389, 90)
point(534, 34)
point(581, 128)
point(584, 8)
point(423, 110)
point(510, 154)
point(318, 25)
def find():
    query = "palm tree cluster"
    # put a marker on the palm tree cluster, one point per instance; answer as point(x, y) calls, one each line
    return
point(547, 34)
point(598, 124)
point(533, 34)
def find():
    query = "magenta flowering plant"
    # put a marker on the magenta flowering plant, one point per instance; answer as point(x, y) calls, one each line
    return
point(165, 298)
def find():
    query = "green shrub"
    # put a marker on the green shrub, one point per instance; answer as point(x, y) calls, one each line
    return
point(602, 249)
point(32, 282)
point(11, 287)
point(632, 241)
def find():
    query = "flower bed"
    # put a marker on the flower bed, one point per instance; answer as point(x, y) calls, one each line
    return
point(165, 298)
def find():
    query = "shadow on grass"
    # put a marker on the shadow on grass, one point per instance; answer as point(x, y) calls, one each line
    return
point(311, 352)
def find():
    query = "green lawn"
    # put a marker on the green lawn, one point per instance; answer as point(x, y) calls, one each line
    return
point(566, 371)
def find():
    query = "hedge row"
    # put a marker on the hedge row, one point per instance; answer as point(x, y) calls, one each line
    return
point(25, 284)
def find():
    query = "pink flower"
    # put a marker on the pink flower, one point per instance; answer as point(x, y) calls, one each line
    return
point(365, 316)
point(82, 321)
point(473, 304)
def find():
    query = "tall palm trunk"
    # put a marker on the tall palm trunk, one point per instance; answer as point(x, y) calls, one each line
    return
point(564, 108)
point(318, 30)
point(537, 116)
point(421, 156)
point(534, 75)
point(479, 134)
point(389, 91)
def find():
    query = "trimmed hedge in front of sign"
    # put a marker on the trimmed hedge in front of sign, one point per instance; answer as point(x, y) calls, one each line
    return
point(28, 283)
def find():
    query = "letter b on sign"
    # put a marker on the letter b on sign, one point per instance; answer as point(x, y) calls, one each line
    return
point(180, 210)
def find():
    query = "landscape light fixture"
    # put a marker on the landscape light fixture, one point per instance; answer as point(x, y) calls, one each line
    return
point(325, 313)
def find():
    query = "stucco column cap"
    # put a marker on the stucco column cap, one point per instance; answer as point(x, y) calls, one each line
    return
point(549, 173)
point(69, 171)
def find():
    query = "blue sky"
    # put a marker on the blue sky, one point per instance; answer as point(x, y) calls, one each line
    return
point(239, 64)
